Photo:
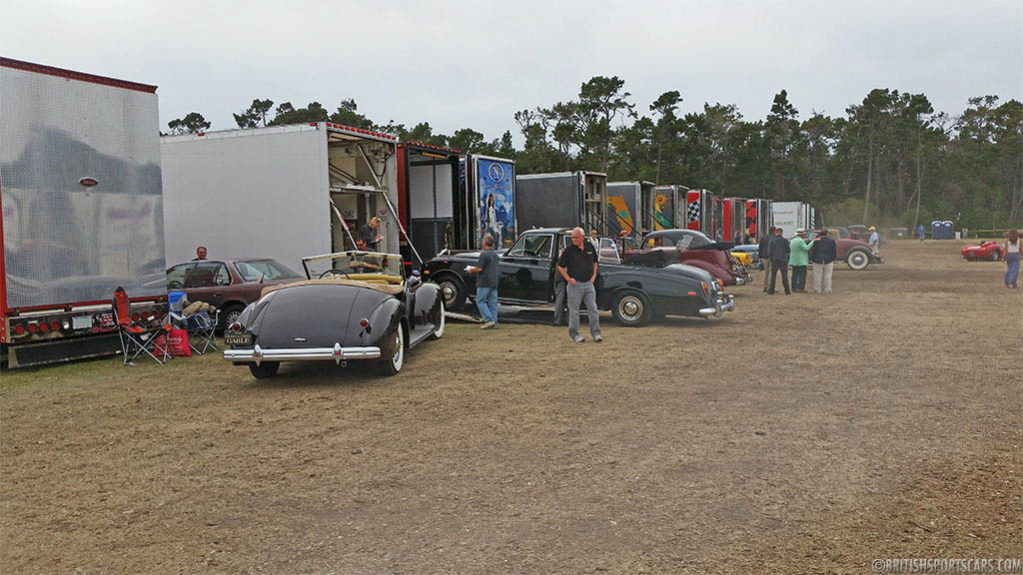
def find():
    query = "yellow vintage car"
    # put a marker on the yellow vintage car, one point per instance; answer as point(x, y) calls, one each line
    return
point(746, 257)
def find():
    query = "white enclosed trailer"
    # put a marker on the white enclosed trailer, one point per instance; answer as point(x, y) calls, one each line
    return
point(282, 192)
point(792, 215)
point(81, 211)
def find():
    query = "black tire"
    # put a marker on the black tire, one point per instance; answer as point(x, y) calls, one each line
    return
point(265, 370)
point(230, 314)
point(394, 364)
point(439, 322)
point(452, 291)
point(631, 309)
point(858, 259)
point(970, 257)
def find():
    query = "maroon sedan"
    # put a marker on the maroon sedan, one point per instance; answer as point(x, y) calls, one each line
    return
point(229, 285)
point(695, 249)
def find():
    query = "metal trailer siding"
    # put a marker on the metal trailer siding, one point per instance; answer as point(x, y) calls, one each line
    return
point(64, 243)
point(788, 216)
point(248, 193)
point(549, 200)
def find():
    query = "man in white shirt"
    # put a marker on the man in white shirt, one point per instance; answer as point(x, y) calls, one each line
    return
point(874, 242)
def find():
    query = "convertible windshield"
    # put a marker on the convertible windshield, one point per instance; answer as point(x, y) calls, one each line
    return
point(352, 263)
point(256, 270)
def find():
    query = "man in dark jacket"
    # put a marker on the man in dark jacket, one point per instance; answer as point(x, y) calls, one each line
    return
point(822, 254)
point(765, 258)
point(778, 251)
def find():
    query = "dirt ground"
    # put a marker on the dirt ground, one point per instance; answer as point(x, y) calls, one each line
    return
point(799, 434)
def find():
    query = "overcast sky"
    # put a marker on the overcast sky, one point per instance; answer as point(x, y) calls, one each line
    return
point(466, 64)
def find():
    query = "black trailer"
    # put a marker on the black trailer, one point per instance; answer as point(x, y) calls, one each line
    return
point(562, 200)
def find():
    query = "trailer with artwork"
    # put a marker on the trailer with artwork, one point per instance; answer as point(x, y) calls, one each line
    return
point(488, 184)
point(703, 213)
point(666, 206)
point(81, 211)
point(733, 220)
point(630, 208)
point(758, 218)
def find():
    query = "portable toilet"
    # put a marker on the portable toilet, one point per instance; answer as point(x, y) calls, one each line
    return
point(946, 230)
point(936, 230)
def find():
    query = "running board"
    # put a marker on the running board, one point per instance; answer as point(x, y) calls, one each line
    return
point(419, 334)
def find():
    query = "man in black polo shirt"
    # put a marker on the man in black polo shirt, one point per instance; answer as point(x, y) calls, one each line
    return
point(578, 265)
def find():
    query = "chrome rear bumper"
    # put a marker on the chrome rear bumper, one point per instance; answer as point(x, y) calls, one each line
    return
point(719, 306)
point(337, 354)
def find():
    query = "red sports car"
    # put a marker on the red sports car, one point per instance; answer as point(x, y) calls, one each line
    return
point(989, 250)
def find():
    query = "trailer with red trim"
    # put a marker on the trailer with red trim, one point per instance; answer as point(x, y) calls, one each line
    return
point(703, 213)
point(81, 211)
point(733, 219)
point(759, 218)
point(433, 213)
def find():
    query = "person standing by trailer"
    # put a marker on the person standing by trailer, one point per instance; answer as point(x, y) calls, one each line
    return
point(369, 234)
point(489, 270)
point(1012, 255)
point(798, 250)
point(779, 253)
point(822, 254)
point(765, 256)
point(578, 265)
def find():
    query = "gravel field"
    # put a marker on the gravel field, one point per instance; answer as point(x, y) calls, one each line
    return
point(798, 434)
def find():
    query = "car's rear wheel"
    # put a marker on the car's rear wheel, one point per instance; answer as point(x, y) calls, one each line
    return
point(452, 290)
point(438, 322)
point(858, 259)
point(631, 309)
point(265, 370)
point(393, 364)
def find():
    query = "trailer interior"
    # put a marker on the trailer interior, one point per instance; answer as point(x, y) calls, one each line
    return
point(429, 201)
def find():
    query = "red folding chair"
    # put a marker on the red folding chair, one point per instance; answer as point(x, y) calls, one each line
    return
point(137, 337)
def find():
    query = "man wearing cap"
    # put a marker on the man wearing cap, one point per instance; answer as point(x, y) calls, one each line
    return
point(778, 251)
point(874, 241)
point(798, 250)
point(822, 254)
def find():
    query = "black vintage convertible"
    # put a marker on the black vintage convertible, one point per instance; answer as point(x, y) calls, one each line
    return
point(634, 292)
point(353, 306)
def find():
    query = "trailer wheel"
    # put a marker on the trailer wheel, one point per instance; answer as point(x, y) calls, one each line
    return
point(265, 370)
point(858, 259)
point(631, 309)
point(452, 291)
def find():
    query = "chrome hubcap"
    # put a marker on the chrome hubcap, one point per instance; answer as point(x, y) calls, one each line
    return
point(630, 308)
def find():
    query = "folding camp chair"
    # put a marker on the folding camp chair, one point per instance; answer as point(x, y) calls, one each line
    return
point(200, 327)
point(137, 337)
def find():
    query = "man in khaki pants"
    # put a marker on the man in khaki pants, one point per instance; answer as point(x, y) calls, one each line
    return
point(764, 258)
point(822, 254)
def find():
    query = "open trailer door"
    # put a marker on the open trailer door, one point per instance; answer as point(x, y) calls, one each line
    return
point(428, 199)
point(490, 206)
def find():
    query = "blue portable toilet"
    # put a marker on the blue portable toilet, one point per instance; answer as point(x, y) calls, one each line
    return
point(936, 230)
point(946, 230)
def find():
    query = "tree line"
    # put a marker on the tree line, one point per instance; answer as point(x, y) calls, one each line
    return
point(890, 159)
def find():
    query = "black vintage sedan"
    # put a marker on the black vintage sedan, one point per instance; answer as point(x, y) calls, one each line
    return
point(352, 306)
point(634, 293)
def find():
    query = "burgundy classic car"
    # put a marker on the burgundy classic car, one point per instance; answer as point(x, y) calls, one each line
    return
point(989, 250)
point(695, 249)
point(229, 285)
point(855, 253)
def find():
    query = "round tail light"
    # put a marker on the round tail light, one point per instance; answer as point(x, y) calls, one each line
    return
point(235, 326)
point(43, 328)
point(19, 329)
point(363, 323)
point(55, 325)
point(32, 328)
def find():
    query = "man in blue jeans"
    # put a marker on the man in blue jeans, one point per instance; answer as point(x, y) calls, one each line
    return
point(489, 272)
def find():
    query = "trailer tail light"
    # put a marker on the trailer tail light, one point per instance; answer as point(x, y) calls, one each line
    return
point(32, 328)
point(134, 317)
point(43, 328)
point(145, 316)
point(19, 329)
point(55, 325)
